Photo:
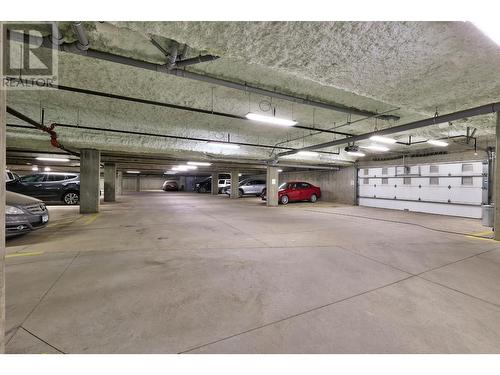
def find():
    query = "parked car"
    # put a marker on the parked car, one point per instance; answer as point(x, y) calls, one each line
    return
point(250, 186)
point(10, 176)
point(296, 191)
point(205, 186)
point(223, 183)
point(49, 186)
point(23, 214)
point(170, 185)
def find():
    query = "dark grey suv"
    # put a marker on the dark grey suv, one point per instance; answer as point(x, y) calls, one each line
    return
point(49, 186)
point(23, 214)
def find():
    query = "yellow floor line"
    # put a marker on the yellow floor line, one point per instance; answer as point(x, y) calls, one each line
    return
point(91, 219)
point(481, 233)
point(481, 238)
point(23, 254)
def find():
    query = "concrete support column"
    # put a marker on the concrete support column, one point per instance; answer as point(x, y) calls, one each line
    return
point(89, 181)
point(496, 185)
point(182, 183)
point(119, 183)
point(138, 183)
point(109, 182)
point(2, 199)
point(215, 183)
point(235, 180)
point(272, 183)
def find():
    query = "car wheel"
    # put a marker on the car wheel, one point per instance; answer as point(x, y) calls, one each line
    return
point(71, 198)
point(313, 198)
point(284, 199)
point(240, 193)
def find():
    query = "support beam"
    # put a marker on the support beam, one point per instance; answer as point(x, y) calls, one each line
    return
point(89, 181)
point(496, 185)
point(119, 183)
point(235, 181)
point(109, 182)
point(471, 112)
point(272, 183)
point(182, 183)
point(138, 183)
point(215, 183)
point(3, 117)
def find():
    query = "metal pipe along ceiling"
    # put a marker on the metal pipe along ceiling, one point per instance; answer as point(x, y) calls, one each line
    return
point(83, 41)
point(47, 43)
point(471, 112)
point(130, 132)
point(175, 106)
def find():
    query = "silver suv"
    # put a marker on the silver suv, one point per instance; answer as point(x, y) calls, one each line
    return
point(251, 186)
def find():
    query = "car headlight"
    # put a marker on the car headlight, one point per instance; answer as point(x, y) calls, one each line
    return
point(11, 210)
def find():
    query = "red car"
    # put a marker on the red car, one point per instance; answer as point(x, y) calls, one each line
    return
point(296, 191)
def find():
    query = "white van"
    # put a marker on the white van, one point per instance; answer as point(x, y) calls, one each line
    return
point(223, 183)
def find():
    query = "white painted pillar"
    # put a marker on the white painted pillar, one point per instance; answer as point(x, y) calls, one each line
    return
point(272, 183)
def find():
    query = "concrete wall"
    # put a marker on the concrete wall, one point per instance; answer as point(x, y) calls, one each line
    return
point(336, 186)
point(152, 182)
point(148, 182)
point(129, 183)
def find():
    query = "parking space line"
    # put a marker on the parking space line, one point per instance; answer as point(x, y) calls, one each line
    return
point(482, 238)
point(488, 232)
point(23, 254)
point(92, 219)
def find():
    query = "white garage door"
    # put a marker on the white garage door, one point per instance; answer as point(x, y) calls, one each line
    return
point(456, 189)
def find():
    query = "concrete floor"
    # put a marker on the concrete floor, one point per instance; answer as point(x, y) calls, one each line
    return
point(163, 272)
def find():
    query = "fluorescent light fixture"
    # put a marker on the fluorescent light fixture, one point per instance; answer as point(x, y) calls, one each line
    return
point(184, 168)
point(170, 172)
point(280, 170)
point(490, 28)
point(307, 153)
point(51, 159)
point(376, 148)
point(270, 119)
point(438, 143)
point(134, 172)
point(224, 145)
point(200, 163)
point(47, 169)
point(356, 153)
point(239, 174)
point(381, 139)
point(35, 168)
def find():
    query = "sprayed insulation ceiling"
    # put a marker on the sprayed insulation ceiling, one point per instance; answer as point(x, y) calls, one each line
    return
point(411, 68)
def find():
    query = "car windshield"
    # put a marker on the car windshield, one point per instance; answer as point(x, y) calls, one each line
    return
point(284, 185)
